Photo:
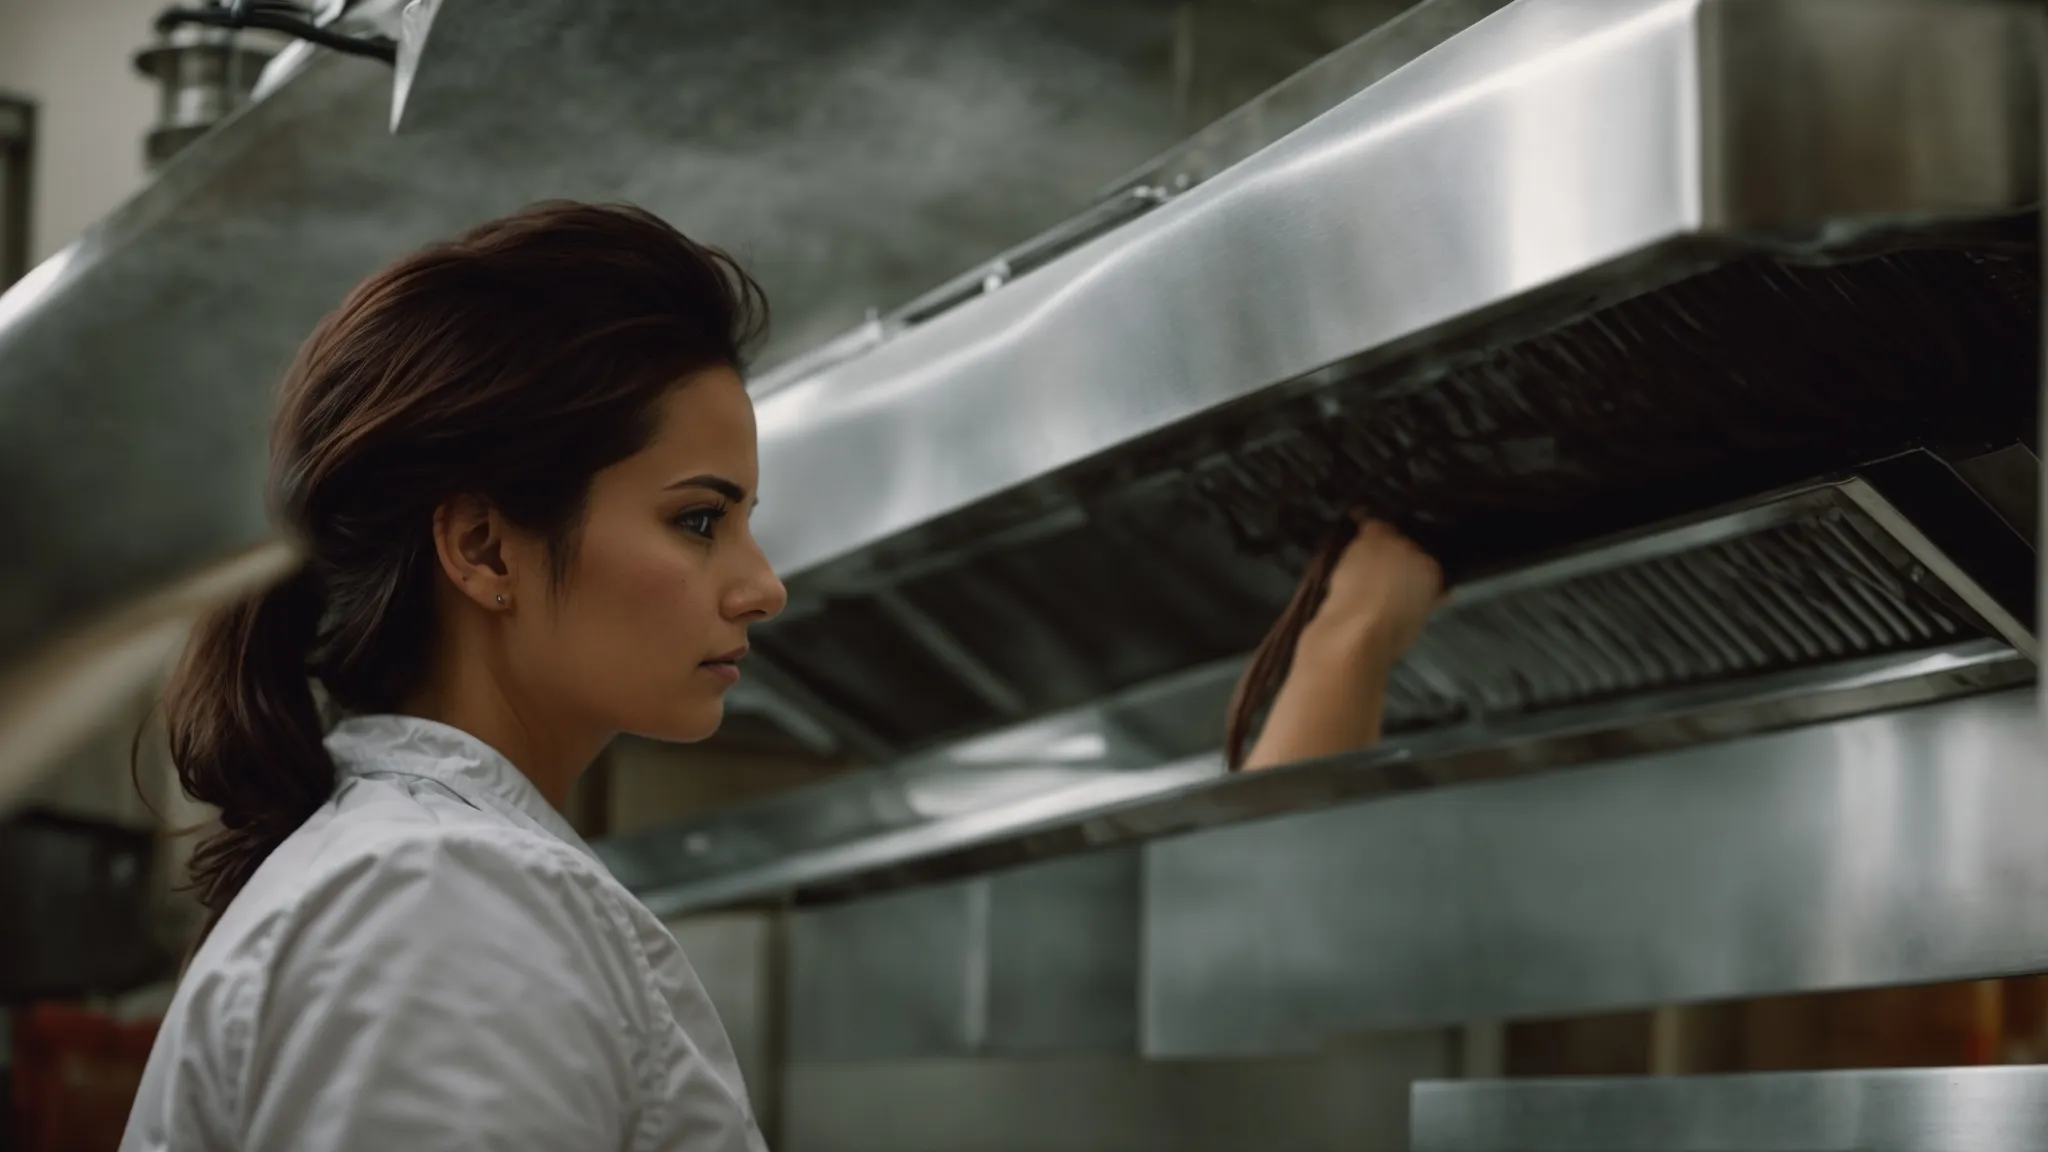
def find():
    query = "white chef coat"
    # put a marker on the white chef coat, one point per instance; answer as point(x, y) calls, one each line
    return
point(435, 960)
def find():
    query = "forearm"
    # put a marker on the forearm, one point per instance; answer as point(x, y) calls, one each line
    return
point(1332, 701)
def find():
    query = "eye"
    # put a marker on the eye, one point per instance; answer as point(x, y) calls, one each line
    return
point(700, 522)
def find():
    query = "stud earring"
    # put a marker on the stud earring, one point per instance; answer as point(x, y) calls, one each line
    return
point(501, 599)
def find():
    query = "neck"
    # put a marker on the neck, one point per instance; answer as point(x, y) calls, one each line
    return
point(473, 695)
point(551, 760)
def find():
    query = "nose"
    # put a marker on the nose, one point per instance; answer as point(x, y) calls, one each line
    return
point(758, 594)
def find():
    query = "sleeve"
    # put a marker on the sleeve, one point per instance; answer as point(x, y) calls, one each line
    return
point(449, 993)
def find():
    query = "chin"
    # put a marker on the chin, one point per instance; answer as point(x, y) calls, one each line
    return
point(699, 720)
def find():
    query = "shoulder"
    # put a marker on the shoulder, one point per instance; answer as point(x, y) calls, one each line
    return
point(397, 945)
point(401, 912)
point(495, 927)
point(443, 968)
point(424, 886)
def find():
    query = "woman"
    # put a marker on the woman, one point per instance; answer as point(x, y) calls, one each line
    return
point(521, 465)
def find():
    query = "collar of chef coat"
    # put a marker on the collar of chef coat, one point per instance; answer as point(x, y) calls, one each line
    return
point(393, 745)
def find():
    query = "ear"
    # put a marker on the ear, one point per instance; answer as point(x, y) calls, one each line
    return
point(470, 541)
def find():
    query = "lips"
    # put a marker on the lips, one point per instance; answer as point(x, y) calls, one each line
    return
point(726, 667)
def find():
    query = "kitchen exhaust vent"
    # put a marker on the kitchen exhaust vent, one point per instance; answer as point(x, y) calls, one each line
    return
point(1721, 262)
point(1893, 586)
point(1699, 339)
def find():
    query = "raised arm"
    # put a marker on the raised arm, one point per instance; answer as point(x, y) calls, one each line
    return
point(1333, 696)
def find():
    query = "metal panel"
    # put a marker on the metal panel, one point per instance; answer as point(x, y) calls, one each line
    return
point(1824, 575)
point(1353, 1099)
point(1778, 581)
point(1036, 960)
point(1881, 1110)
point(1309, 93)
point(1890, 849)
point(1056, 810)
point(1552, 138)
point(894, 975)
point(1063, 956)
point(1820, 602)
point(1041, 436)
point(852, 155)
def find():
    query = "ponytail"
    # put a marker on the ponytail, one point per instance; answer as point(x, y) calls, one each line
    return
point(245, 732)
point(1269, 663)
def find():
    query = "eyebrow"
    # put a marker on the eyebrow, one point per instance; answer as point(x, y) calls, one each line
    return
point(718, 484)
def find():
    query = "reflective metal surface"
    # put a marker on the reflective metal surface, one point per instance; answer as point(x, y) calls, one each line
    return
point(1892, 1109)
point(1142, 429)
point(1309, 93)
point(1276, 112)
point(853, 156)
point(1034, 960)
point(1560, 273)
point(1826, 574)
point(202, 75)
point(2009, 480)
point(859, 835)
point(1820, 602)
point(1353, 1099)
point(1550, 139)
point(1890, 849)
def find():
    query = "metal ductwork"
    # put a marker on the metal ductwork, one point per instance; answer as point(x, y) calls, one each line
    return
point(853, 156)
point(1699, 338)
point(202, 75)
point(1820, 602)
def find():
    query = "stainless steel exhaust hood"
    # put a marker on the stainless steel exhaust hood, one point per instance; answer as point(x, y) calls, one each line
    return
point(852, 155)
point(1700, 338)
point(1822, 601)
point(1580, 268)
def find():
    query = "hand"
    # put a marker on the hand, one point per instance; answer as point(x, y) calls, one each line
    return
point(1381, 592)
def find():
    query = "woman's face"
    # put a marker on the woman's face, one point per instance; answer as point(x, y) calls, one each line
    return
point(643, 633)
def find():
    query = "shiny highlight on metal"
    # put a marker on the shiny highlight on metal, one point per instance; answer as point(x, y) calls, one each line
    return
point(1894, 1109)
point(1631, 141)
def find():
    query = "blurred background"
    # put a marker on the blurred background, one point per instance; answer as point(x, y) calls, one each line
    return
point(1700, 339)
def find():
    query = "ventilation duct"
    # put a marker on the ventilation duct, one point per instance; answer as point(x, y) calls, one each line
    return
point(1699, 338)
point(853, 155)
point(1819, 602)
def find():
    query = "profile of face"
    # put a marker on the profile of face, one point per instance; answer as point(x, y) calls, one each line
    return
point(645, 630)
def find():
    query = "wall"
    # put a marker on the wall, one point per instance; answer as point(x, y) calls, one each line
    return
point(73, 58)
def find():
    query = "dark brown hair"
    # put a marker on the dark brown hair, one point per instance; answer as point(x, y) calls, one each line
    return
point(510, 364)
point(1270, 660)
